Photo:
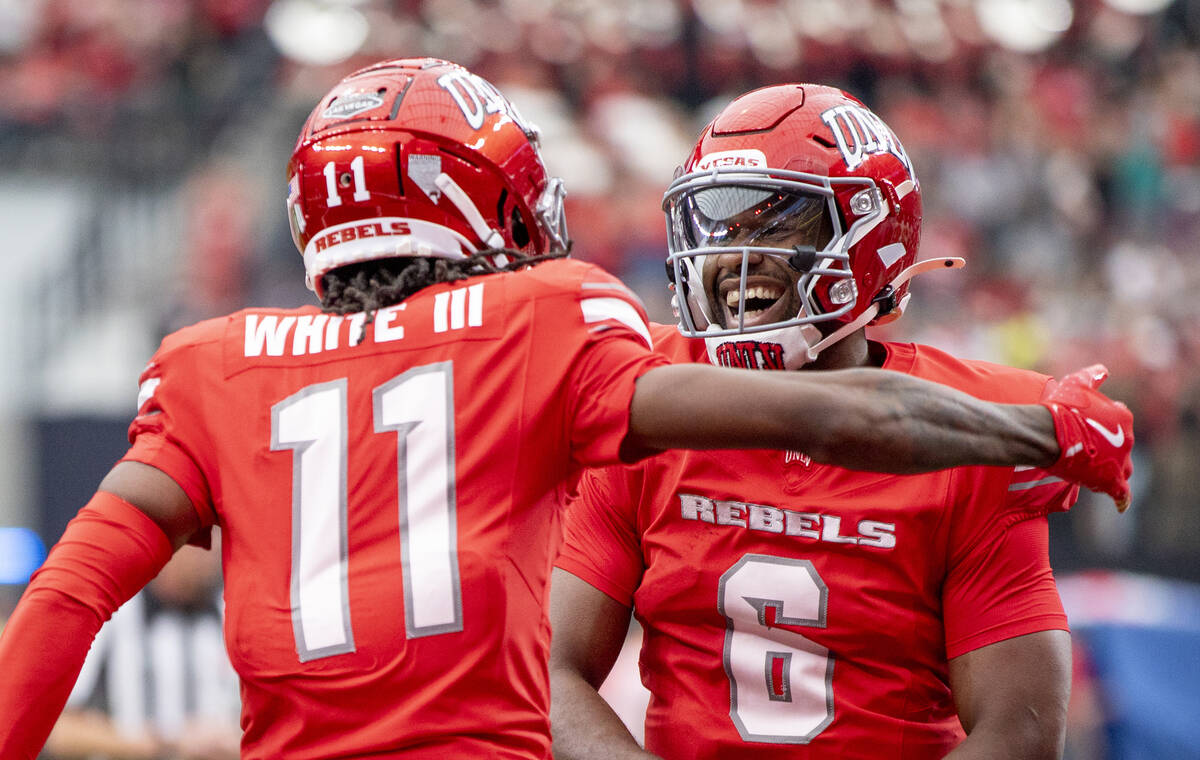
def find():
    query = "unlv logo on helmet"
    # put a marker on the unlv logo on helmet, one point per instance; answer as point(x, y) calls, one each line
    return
point(476, 98)
point(861, 134)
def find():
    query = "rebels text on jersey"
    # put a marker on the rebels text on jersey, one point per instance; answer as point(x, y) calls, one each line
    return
point(810, 608)
point(389, 500)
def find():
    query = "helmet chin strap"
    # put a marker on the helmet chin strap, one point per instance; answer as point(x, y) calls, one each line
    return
point(872, 311)
point(491, 238)
point(801, 344)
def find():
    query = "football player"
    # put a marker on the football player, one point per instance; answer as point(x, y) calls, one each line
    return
point(788, 607)
point(387, 470)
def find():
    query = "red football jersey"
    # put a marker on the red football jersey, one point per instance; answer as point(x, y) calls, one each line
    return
point(809, 611)
point(389, 500)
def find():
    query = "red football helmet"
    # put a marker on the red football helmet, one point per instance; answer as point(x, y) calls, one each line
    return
point(808, 175)
point(418, 157)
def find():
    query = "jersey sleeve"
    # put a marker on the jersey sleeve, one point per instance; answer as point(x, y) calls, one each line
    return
point(1033, 492)
point(617, 351)
point(999, 583)
point(600, 534)
point(156, 441)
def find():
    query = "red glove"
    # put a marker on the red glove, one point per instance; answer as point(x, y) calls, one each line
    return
point(1094, 433)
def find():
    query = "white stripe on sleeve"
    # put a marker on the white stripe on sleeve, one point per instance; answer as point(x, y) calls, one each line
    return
point(600, 309)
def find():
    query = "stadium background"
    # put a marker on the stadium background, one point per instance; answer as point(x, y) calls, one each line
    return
point(142, 146)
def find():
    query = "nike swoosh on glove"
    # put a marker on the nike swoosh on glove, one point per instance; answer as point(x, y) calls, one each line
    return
point(1095, 434)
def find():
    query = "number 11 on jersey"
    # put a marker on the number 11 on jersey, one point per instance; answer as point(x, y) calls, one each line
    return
point(417, 407)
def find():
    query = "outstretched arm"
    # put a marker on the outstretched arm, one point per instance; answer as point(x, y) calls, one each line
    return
point(113, 547)
point(865, 419)
point(870, 419)
point(589, 630)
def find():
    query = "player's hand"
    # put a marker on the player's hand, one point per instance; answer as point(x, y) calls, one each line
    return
point(1095, 434)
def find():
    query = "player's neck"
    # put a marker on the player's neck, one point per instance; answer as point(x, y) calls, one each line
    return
point(850, 352)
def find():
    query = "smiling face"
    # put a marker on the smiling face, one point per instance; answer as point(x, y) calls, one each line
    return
point(780, 221)
point(770, 294)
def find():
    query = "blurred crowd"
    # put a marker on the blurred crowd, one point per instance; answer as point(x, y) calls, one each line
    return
point(1066, 170)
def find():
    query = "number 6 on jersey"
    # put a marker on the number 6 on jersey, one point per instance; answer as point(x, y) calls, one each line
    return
point(780, 683)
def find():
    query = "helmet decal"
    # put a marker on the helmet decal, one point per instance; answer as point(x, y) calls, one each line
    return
point(477, 98)
point(423, 170)
point(732, 159)
point(349, 106)
point(860, 134)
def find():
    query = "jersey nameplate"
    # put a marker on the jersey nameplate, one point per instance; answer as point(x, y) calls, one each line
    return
point(454, 310)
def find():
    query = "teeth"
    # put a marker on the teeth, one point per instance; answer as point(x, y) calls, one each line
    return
point(733, 297)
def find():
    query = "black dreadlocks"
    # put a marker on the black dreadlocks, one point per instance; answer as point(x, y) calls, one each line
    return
point(368, 286)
